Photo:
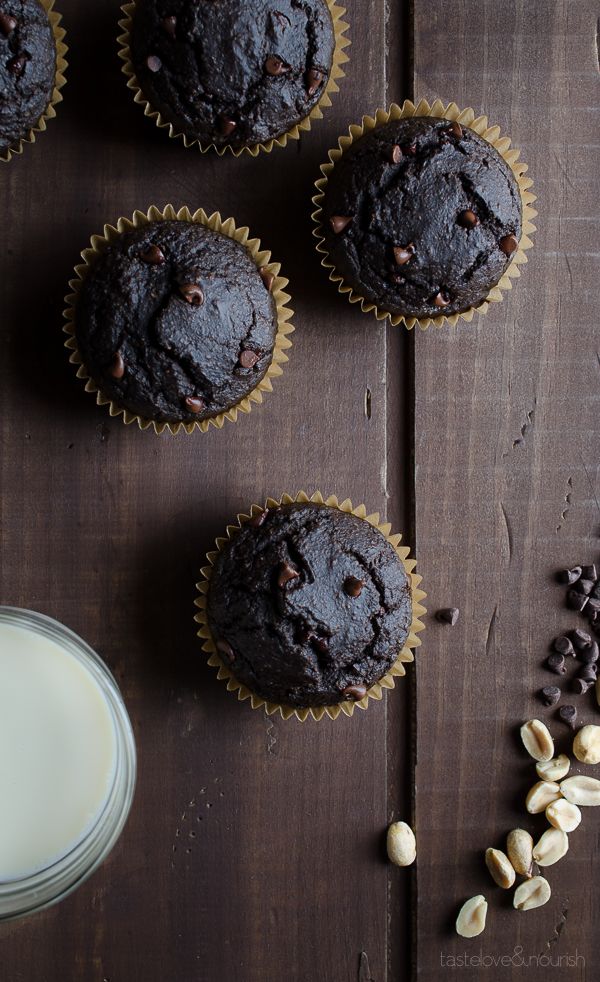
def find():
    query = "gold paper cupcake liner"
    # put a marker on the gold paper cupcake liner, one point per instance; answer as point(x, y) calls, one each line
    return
point(376, 690)
point(59, 81)
point(261, 257)
point(466, 117)
point(337, 72)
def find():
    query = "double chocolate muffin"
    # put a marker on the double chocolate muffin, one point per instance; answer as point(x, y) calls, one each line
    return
point(175, 322)
point(308, 605)
point(421, 217)
point(229, 72)
point(27, 68)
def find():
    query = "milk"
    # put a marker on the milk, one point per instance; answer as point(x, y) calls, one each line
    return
point(58, 751)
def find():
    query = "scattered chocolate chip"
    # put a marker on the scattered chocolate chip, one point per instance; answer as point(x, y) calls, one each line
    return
point(248, 358)
point(556, 663)
point(314, 77)
point(590, 653)
point(596, 591)
point(593, 607)
point(226, 125)
point(320, 644)
point(576, 601)
point(339, 223)
point(584, 586)
point(117, 366)
point(589, 572)
point(276, 66)
point(568, 715)
point(267, 277)
point(154, 63)
point(195, 404)
point(16, 65)
point(402, 254)
point(580, 685)
point(396, 154)
point(192, 293)
point(442, 299)
point(508, 244)
point(550, 695)
point(170, 24)
point(355, 692)
point(564, 645)
point(257, 520)
point(225, 648)
point(468, 219)
point(447, 615)
point(588, 672)
point(286, 573)
point(580, 638)
point(152, 255)
point(570, 576)
point(455, 129)
point(353, 586)
point(7, 24)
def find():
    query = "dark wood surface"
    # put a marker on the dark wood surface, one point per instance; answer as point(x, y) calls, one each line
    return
point(255, 848)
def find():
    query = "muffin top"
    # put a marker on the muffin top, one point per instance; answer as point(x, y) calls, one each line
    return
point(176, 322)
point(309, 605)
point(229, 71)
point(27, 68)
point(421, 216)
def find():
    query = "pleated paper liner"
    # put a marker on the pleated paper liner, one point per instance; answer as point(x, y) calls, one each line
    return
point(376, 690)
point(59, 81)
point(337, 72)
point(261, 257)
point(466, 117)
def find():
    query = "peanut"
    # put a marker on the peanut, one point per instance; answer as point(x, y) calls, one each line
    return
point(401, 844)
point(586, 745)
point(550, 847)
point(471, 917)
point(581, 790)
point(537, 740)
point(500, 868)
point(532, 893)
point(555, 769)
point(540, 796)
point(563, 815)
point(519, 846)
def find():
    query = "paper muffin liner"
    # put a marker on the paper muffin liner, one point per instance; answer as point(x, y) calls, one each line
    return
point(261, 257)
point(375, 692)
point(466, 117)
point(59, 81)
point(337, 72)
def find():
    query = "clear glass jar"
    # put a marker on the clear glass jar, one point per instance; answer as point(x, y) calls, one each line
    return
point(41, 889)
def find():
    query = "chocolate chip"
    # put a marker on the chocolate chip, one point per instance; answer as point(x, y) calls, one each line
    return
point(7, 24)
point(576, 601)
point(593, 607)
point(455, 129)
point(192, 293)
point(225, 648)
point(447, 615)
point(339, 223)
point(117, 365)
point(320, 644)
point(16, 65)
point(152, 255)
point(276, 66)
point(314, 77)
point(556, 663)
point(589, 572)
point(563, 645)
point(581, 639)
point(568, 715)
point(442, 299)
point(286, 573)
point(396, 154)
point(409, 149)
point(248, 358)
point(257, 520)
point(580, 685)
point(550, 695)
point(267, 277)
point(588, 672)
point(355, 692)
point(585, 586)
point(226, 125)
point(195, 404)
point(596, 591)
point(353, 586)
point(468, 219)
point(169, 25)
point(508, 244)
point(570, 576)
point(154, 63)
point(402, 254)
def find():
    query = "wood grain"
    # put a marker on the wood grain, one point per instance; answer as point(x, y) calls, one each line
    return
point(507, 479)
point(254, 849)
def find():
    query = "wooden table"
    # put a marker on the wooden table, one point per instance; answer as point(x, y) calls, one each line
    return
point(255, 849)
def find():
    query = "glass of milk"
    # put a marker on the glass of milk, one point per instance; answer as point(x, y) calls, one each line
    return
point(67, 762)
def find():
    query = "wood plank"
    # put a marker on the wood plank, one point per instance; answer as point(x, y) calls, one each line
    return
point(507, 485)
point(254, 848)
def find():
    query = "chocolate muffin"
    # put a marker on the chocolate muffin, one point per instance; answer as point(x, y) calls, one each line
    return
point(229, 72)
point(27, 68)
point(421, 217)
point(175, 322)
point(309, 605)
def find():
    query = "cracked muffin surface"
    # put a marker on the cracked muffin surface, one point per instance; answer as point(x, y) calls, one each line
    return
point(309, 605)
point(175, 322)
point(27, 68)
point(230, 72)
point(421, 217)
